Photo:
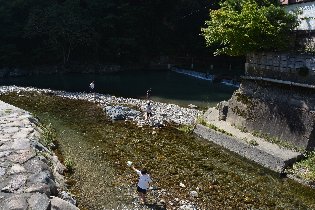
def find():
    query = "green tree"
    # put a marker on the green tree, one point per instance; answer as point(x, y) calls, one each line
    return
point(244, 26)
point(63, 27)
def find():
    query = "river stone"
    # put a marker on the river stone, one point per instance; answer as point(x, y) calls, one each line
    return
point(58, 204)
point(38, 187)
point(193, 194)
point(35, 166)
point(187, 207)
point(39, 201)
point(44, 177)
point(16, 168)
point(15, 202)
point(2, 171)
point(5, 154)
point(22, 156)
point(21, 144)
point(20, 135)
point(10, 130)
point(121, 112)
point(67, 197)
point(39, 146)
point(15, 183)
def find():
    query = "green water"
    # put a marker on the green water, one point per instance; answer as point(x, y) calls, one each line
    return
point(100, 149)
point(167, 86)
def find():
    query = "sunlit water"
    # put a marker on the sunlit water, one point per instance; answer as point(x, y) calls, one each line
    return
point(167, 86)
point(100, 149)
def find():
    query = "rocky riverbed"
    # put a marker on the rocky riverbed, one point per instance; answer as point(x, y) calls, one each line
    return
point(118, 108)
point(189, 172)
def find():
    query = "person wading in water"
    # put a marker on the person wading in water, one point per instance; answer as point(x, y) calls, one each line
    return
point(143, 183)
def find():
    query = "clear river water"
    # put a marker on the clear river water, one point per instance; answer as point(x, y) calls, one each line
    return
point(167, 86)
point(179, 162)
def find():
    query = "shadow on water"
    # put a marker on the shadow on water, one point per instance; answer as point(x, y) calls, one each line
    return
point(167, 86)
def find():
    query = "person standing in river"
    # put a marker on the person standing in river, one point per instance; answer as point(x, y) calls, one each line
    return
point(149, 93)
point(148, 110)
point(143, 183)
point(92, 86)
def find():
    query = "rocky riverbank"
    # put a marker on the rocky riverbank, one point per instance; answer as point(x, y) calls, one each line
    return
point(180, 163)
point(118, 108)
point(31, 176)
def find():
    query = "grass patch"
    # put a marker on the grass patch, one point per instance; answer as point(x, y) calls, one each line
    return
point(305, 169)
point(69, 165)
point(188, 129)
point(203, 122)
point(253, 142)
point(275, 140)
point(213, 127)
point(48, 135)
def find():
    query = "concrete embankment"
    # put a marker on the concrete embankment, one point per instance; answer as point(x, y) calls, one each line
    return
point(267, 154)
point(30, 174)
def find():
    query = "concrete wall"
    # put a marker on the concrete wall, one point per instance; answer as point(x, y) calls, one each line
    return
point(282, 112)
point(277, 98)
point(285, 66)
point(307, 17)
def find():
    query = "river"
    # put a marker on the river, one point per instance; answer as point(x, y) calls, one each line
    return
point(179, 163)
point(167, 86)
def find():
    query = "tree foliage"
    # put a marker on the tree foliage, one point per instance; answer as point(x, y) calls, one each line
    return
point(34, 32)
point(244, 26)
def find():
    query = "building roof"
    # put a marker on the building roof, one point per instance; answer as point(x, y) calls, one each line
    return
point(293, 1)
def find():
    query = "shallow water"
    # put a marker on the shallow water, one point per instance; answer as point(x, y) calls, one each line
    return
point(100, 149)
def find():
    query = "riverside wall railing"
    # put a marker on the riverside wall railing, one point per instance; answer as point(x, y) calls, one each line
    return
point(287, 67)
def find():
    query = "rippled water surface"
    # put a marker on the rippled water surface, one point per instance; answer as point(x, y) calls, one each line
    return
point(100, 149)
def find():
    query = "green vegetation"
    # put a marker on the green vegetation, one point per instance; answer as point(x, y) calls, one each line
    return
point(203, 122)
point(186, 128)
point(48, 135)
point(253, 142)
point(305, 169)
point(70, 32)
point(245, 26)
point(213, 127)
point(276, 140)
point(69, 165)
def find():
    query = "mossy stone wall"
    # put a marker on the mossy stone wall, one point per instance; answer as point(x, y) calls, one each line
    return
point(283, 112)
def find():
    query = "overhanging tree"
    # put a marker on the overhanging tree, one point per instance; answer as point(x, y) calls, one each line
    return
point(244, 26)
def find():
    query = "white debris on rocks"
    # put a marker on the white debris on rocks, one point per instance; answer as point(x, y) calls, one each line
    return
point(29, 173)
point(119, 108)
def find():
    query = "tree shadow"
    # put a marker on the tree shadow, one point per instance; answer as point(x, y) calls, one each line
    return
point(311, 143)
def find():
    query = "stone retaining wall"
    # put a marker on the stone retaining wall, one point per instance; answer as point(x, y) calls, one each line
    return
point(30, 174)
point(276, 99)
